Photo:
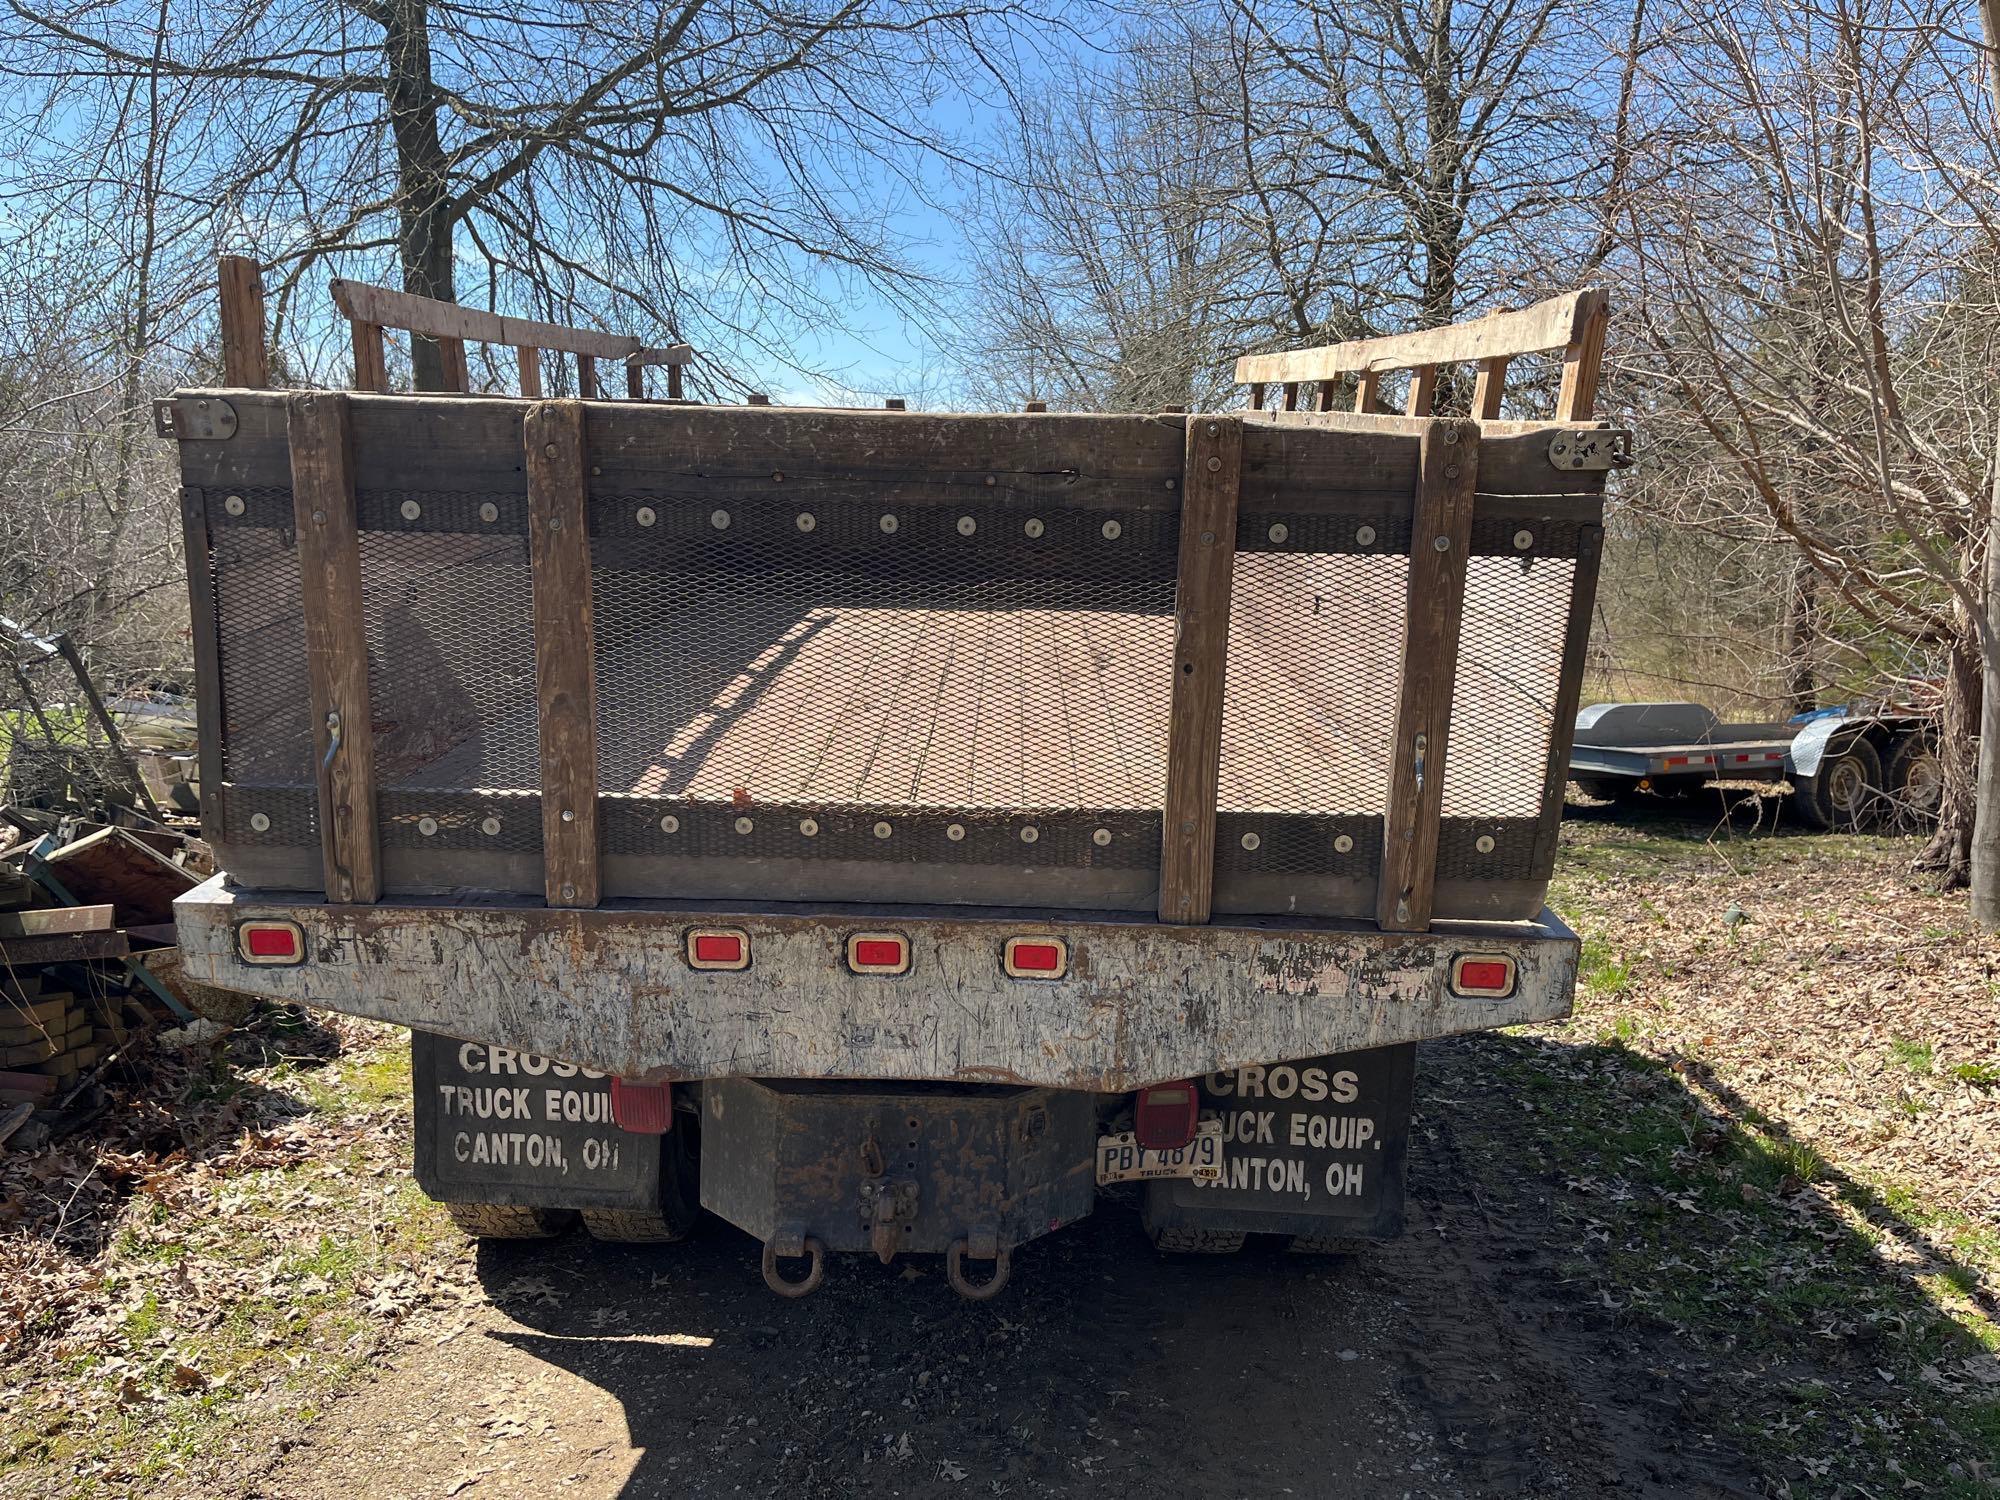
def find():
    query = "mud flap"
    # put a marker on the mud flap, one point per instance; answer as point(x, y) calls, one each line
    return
point(1314, 1147)
point(498, 1126)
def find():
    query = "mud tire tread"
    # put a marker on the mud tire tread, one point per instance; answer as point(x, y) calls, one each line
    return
point(509, 1221)
point(1181, 1241)
point(1325, 1244)
point(633, 1226)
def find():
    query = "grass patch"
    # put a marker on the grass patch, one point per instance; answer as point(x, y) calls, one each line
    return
point(1918, 1057)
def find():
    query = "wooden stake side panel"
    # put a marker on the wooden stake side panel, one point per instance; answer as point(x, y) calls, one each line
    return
point(335, 642)
point(565, 671)
point(1448, 474)
point(1201, 647)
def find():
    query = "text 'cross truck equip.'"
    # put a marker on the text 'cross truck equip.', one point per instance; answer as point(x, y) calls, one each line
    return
point(896, 832)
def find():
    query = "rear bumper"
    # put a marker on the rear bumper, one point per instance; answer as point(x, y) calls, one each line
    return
point(1141, 1003)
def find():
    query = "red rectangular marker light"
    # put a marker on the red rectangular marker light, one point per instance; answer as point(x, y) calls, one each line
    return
point(1483, 976)
point(642, 1108)
point(1036, 958)
point(878, 953)
point(1165, 1116)
point(718, 948)
point(270, 942)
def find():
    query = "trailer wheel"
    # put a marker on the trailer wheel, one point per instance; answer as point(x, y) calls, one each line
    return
point(1608, 788)
point(1915, 778)
point(1844, 792)
point(509, 1221)
point(680, 1196)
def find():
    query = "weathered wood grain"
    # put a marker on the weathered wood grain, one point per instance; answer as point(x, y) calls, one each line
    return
point(246, 362)
point(1583, 361)
point(322, 480)
point(371, 365)
point(1554, 324)
point(529, 361)
point(363, 303)
point(1440, 536)
point(565, 672)
point(1214, 473)
point(1488, 385)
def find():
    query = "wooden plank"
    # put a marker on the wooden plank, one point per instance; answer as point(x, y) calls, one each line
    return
point(1367, 391)
point(336, 646)
point(663, 354)
point(1583, 360)
point(53, 919)
point(1440, 534)
point(1291, 395)
point(1569, 693)
point(245, 360)
point(1553, 324)
point(529, 360)
point(61, 948)
point(1487, 386)
point(1212, 482)
point(635, 381)
point(115, 866)
point(674, 387)
point(447, 320)
point(565, 671)
point(586, 378)
point(1423, 391)
point(457, 375)
point(371, 362)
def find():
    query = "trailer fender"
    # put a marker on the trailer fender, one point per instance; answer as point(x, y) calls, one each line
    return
point(1809, 745)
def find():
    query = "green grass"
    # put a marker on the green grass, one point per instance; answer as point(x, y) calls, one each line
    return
point(1918, 1057)
point(1978, 1074)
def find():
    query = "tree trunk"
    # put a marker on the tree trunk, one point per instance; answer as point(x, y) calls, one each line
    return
point(423, 196)
point(1950, 851)
point(1984, 855)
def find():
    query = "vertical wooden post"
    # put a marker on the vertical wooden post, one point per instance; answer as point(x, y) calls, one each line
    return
point(1366, 385)
point(1577, 400)
point(1440, 536)
point(371, 363)
point(1487, 386)
point(635, 380)
point(1569, 690)
point(1423, 391)
point(451, 362)
point(1326, 395)
point(1256, 395)
point(565, 666)
point(674, 383)
point(586, 378)
point(1210, 485)
point(197, 549)
point(336, 645)
point(530, 362)
point(245, 361)
point(1291, 395)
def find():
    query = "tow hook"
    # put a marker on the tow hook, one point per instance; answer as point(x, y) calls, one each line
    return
point(978, 1244)
point(792, 1242)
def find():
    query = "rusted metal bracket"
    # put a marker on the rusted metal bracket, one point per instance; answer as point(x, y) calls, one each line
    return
point(1594, 449)
point(191, 417)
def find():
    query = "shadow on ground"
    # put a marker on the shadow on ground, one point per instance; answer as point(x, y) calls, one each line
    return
point(1616, 1281)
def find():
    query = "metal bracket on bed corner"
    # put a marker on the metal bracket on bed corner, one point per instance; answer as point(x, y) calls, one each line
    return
point(1591, 448)
point(191, 417)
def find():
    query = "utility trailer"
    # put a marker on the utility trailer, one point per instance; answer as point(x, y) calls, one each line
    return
point(1847, 766)
point(895, 831)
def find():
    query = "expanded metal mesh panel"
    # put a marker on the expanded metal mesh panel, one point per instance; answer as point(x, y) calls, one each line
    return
point(1315, 645)
point(267, 732)
point(1510, 662)
point(902, 665)
point(451, 660)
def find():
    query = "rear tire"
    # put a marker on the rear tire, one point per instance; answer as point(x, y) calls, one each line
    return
point(1607, 788)
point(680, 1196)
point(1915, 778)
point(1845, 793)
point(1183, 1241)
point(509, 1221)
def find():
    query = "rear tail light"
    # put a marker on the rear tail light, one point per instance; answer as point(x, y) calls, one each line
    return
point(878, 953)
point(642, 1108)
point(718, 948)
point(1482, 976)
point(1036, 958)
point(1165, 1116)
point(270, 942)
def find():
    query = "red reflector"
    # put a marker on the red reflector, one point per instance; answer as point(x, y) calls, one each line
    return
point(879, 953)
point(1677, 760)
point(714, 948)
point(1043, 958)
point(642, 1108)
point(1491, 977)
point(273, 942)
point(1164, 1117)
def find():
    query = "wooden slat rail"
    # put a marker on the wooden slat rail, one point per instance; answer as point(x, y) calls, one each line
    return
point(565, 669)
point(1440, 538)
point(370, 309)
point(246, 362)
point(1574, 323)
point(1212, 480)
point(318, 427)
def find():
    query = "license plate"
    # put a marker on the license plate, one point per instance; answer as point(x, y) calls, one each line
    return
point(1120, 1158)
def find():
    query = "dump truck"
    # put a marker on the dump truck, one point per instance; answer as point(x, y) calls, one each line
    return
point(894, 831)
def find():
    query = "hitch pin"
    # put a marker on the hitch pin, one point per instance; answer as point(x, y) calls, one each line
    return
point(1422, 742)
point(332, 740)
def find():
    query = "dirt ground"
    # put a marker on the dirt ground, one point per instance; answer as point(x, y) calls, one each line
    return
point(1732, 1230)
point(1437, 1366)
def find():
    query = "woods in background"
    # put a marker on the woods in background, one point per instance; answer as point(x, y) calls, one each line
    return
point(1793, 207)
